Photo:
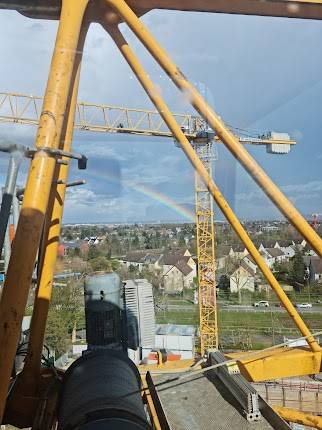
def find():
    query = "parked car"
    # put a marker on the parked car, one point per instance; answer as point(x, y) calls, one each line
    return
point(262, 303)
point(303, 305)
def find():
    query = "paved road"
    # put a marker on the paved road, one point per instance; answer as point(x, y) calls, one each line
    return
point(234, 308)
point(237, 308)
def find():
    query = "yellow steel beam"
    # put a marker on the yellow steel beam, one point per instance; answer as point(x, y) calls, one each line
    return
point(170, 366)
point(39, 182)
point(25, 109)
point(224, 134)
point(151, 407)
point(52, 228)
point(202, 171)
point(206, 269)
point(295, 416)
point(281, 362)
point(24, 398)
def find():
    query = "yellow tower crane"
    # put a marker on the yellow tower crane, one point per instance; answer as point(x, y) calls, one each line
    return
point(25, 109)
point(205, 233)
point(42, 208)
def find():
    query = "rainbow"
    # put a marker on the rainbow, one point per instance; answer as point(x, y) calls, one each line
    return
point(149, 192)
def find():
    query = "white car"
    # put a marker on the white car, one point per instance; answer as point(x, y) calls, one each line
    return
point(262, 303)
point(304, 305)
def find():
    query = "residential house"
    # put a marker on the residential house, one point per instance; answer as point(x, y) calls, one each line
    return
point(177, 267)
point(239, 251)
point(309, 251)
point(134, 259)
point(223, 252)
point(242, 278)
point(250, 262)
point(287, 247)
point(314, 267)
point(64, 248)
point(94, 240)
point(265, 245)
point(179, 270)
point(269, 228)
point(300, 243)
point(272, 256)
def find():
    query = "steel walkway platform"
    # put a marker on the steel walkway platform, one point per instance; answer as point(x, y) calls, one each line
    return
point(201, 402)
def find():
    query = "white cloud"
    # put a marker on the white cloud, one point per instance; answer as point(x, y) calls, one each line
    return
point(259, 48)
point(100, 150)
point(309, 193)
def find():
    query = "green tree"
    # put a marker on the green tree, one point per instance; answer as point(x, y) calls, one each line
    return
point(100, 263)
point(135, 242)
point(65, 315)
point(182, 241)
point(115, 264)
point(93, 252)
point(297, 268)
point(281, 271)
point(56, 336)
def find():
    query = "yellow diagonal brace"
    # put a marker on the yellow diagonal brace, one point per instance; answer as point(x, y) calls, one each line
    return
point(208, 181)
point(224, 134)
point(299, 417)
point(30, 374)
point(207, 303)
point(26, 242)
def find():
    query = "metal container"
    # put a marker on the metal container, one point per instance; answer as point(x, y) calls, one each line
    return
point(103, 310)
point(102, 390)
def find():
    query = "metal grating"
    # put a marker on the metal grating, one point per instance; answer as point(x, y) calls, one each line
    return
point(242, 390)
point(140, 306)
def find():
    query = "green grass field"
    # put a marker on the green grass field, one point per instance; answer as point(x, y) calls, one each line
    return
point(247, 330)
point(254, 321)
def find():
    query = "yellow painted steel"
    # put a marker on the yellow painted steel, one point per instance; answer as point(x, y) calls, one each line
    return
point(204, 213)
point(206, 253)
point(224, 134)
point(213, 189)
point(39, 191)
point(18, 279)
point(295, 416)
point(152, 411)
point(24, 109)
point(169, 366)
point(279, 363)
point(27, 380)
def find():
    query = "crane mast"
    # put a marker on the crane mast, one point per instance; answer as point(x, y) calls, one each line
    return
point(206, 267)
point(33, 397)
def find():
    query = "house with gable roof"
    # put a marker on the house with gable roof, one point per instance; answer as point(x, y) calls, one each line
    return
point(242, 278)
point(177, 267)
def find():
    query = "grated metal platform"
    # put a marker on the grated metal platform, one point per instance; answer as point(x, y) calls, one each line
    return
point(202, 402)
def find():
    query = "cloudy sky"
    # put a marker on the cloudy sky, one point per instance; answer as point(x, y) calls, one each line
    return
point(258, 73)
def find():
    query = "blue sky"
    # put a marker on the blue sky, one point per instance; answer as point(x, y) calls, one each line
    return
point(257, 72)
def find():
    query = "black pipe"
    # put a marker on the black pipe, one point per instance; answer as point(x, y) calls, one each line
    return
point(102, 391)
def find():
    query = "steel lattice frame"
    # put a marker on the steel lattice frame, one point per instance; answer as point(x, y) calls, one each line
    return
point(206, 254)
point(44, 193)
